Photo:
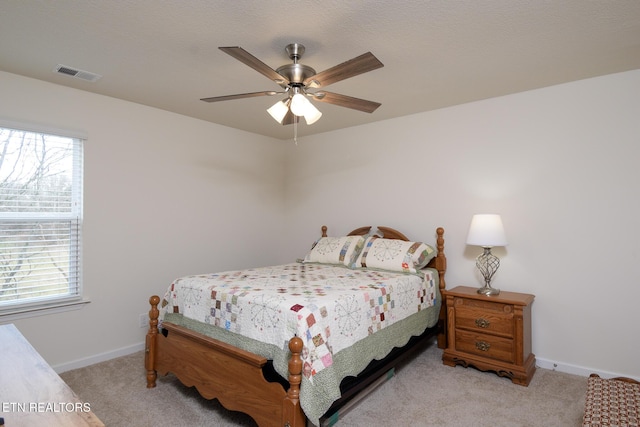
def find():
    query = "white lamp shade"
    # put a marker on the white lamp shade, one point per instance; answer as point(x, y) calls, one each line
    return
point(299, 104)
point(312, 114)
point(486, 230)
point(278, 111)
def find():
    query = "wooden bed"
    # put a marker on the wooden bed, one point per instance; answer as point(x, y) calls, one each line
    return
point(237, 378)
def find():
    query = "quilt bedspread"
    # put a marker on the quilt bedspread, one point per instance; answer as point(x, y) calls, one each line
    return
point(332, 308)
point(329, 307)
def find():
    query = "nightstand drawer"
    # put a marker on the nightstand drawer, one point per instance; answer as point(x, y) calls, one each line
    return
point(497, 320)
point(484, 345)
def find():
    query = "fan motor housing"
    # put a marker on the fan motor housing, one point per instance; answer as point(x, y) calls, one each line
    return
point(296, 73)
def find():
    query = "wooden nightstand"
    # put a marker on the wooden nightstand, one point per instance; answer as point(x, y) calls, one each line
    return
point(492, 333)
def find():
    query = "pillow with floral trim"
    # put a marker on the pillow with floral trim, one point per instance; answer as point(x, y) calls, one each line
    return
point(336, 250)
point(394, 255)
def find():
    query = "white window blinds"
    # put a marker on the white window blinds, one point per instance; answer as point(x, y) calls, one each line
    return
point(40, 219)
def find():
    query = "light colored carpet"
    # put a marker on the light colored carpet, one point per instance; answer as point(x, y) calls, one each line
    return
point(424, 392)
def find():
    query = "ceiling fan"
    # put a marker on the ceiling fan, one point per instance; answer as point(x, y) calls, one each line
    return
point(297, 79)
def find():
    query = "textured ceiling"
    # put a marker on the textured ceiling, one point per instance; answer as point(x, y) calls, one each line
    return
point(435, 53)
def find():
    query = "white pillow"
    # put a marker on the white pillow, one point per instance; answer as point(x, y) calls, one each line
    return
point(394, 255)
point(336, 250)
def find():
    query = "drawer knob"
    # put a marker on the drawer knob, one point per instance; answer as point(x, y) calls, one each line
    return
point(483, 345)
point(482, 323)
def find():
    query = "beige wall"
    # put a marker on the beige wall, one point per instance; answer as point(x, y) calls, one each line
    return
point(559, 164)
point(167, 195)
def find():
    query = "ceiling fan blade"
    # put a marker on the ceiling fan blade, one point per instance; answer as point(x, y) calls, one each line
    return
point(290, 118)
point(248, 59)
point(358, 65)
point(346, 101)
point(238, 96)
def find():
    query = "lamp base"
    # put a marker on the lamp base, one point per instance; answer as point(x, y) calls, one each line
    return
point(488, 291)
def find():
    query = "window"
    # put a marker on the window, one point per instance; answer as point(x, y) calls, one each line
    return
point(40, 220)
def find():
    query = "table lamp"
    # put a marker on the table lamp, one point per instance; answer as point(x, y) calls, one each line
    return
point(486, 230)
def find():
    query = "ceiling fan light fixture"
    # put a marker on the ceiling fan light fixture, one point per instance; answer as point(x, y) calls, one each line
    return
point(278, 111)
point(297, 78)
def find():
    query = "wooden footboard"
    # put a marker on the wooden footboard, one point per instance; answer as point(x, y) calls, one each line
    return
point(221, 371)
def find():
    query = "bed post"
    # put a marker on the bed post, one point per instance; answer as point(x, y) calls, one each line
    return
point(441, 266)
point(150, 346)
point(292, 415)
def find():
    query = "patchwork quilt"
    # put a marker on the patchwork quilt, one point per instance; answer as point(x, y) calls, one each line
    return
point(330, 307)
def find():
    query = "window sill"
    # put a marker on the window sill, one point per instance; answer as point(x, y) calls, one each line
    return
point(10, 315)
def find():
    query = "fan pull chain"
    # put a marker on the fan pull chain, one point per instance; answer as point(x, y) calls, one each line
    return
point(295, 130)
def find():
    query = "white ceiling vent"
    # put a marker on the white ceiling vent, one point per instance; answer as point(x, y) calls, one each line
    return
point(79, 74)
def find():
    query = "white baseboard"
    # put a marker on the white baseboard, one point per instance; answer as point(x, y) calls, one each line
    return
point(577, 370)
point(102, 357)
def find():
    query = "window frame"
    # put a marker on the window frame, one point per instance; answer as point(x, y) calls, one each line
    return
point(12, 310)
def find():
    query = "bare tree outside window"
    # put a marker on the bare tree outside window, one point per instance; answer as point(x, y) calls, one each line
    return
point(40, 216)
